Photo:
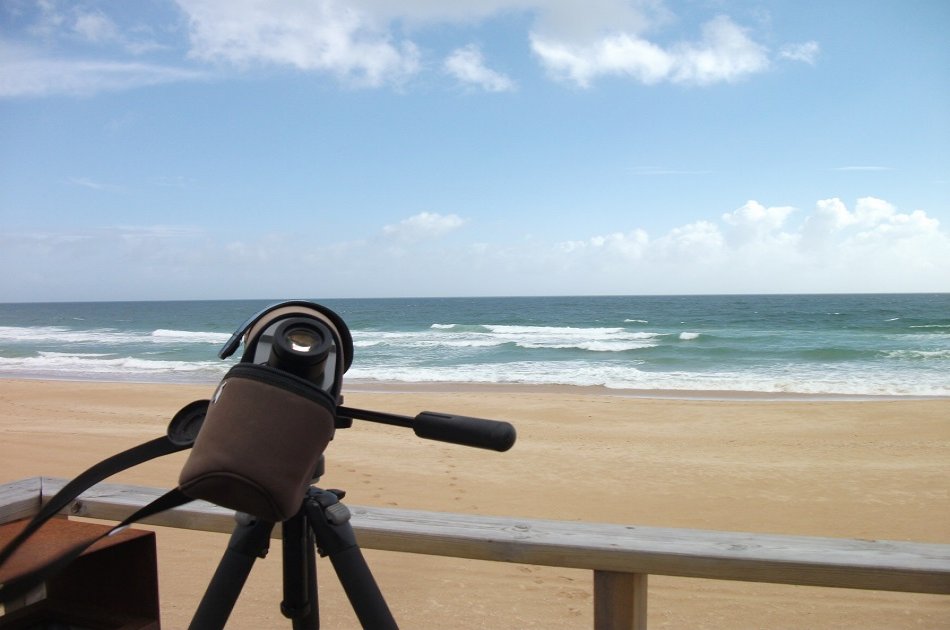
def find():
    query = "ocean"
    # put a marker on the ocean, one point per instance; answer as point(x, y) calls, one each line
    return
point(854, 345)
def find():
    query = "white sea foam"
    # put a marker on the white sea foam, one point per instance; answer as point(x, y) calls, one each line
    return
point(918, 354)
point(609, 346)
point(98, 365)
point(527, 337)
point(366, 343)
point(566, 337)
point(423, 340)
point(567, 332)
point(629, 376)
point(61, 335)
point(178, 336)
point(105, 336)
point(688, 336)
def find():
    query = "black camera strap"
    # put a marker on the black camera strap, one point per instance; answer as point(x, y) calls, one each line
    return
point(180, 437)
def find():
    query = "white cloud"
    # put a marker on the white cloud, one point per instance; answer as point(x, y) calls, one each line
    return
point(95, 27)
point(323, 35)
point(25, 73)
point(629, 245)
point(119, 248)
point(569, 20)
point(560, 18)
point(423, 225)
point(468, 66)
point(725, 53)
point(614, 55)
point(874, 226)
point(755, 248)
point(806, 52)
point(92, 184)
point(870, 211)
point(876, 247)
point(829, 217)
point(863, 168)
point(646, 171)
point(353, 39)
point(832, 222)
point(356, 41)
point(49, 20)
point(692, 244)
point(753, 222)
point(871, 246)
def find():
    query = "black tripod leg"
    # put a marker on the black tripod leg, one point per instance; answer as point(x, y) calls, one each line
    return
point(330, 521)
point(300, 574)
point(249, 541)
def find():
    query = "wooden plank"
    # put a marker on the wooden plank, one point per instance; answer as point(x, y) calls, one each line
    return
point(620, 601)
point(850, 563)
point(20, 499)
point(114, 502)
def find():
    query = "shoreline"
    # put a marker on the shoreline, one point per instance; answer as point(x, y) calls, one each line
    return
point(442, 387)
point(394, 387)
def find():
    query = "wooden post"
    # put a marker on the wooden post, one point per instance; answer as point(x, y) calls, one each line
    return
point(620, 601)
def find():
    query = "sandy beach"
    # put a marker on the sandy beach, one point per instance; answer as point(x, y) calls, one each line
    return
point(874, 469)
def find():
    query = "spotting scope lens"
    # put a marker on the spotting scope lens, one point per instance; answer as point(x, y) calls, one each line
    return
point(302, 340)
point(301, 346)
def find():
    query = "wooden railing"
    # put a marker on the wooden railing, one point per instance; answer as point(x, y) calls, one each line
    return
point(621, 557)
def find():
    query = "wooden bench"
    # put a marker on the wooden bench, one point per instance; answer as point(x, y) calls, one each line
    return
point(620, 556)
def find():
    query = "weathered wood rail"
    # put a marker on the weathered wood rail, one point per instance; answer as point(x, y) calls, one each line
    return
point(621, 557)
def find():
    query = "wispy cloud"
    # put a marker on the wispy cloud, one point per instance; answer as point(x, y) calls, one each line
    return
point(424, 225)
point(157, 232)
point(105, 237)
point(863, 168)
point(172, 181)
point(806, 52)
point(658, 171)
point(92, 184)
point(468, 66)
point(26, 73)
point(95, 26)
point(868, 245)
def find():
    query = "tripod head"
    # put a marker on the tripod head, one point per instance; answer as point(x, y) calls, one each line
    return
point(274, 413)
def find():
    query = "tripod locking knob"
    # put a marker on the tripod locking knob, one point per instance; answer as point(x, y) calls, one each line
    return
point(337, 514)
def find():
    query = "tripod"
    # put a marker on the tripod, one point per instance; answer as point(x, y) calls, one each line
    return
point(322, 522)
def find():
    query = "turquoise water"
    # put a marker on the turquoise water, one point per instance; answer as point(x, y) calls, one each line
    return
point(813, 344)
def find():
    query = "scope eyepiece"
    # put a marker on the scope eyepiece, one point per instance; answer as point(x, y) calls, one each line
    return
point(301, 346)
point(299, 337)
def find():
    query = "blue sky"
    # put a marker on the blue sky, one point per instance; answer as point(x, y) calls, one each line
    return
point(231, 149)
